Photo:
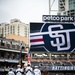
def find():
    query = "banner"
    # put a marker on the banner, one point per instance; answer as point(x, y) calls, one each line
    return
point(52, 37)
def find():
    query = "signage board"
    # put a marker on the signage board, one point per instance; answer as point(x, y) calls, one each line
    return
point(52, 37)
point(57, 18)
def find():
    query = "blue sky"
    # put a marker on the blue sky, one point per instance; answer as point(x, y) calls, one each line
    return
point(25, 10)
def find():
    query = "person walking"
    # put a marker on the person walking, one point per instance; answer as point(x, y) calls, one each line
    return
point(19, 70)
point(45, 71)
point(29, 70)
point(11, 72)
point(24, 69)
point(37, 71)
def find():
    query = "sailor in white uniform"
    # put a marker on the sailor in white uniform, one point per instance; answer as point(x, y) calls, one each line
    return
point(11, 72)
point(19, 70)
point(29, 70)
point(37, 71)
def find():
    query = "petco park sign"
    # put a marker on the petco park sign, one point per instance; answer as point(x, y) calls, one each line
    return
point(57, 18)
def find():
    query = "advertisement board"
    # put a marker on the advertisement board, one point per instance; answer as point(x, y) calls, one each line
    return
point(52, 37)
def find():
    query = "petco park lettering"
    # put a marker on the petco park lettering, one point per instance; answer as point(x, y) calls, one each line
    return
point(57, 18)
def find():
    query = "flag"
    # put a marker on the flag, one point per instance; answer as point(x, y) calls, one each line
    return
point(20, 58)
point(36, 40)
point(29, 58)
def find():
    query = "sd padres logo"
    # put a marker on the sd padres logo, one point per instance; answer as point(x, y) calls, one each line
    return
point(58, 37)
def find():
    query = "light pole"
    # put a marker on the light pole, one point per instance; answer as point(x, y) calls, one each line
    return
point(51, 2)
point(49, 7)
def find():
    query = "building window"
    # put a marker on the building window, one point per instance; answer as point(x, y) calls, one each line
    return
point(8, 29)
point(0, 30)
point(18, 30)
point(11, 29)
point(71, 4)
point(64, 13)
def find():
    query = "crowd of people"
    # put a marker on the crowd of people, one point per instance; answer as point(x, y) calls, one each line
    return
point(27, 70)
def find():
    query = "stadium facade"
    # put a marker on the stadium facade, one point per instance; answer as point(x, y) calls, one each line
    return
point(12, 53)
point(14, 44)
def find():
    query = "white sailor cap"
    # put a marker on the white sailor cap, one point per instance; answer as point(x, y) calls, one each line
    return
point(36, 66)
point(19, 65)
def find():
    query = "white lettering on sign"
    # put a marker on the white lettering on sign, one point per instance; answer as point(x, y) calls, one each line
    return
point(58, 18)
